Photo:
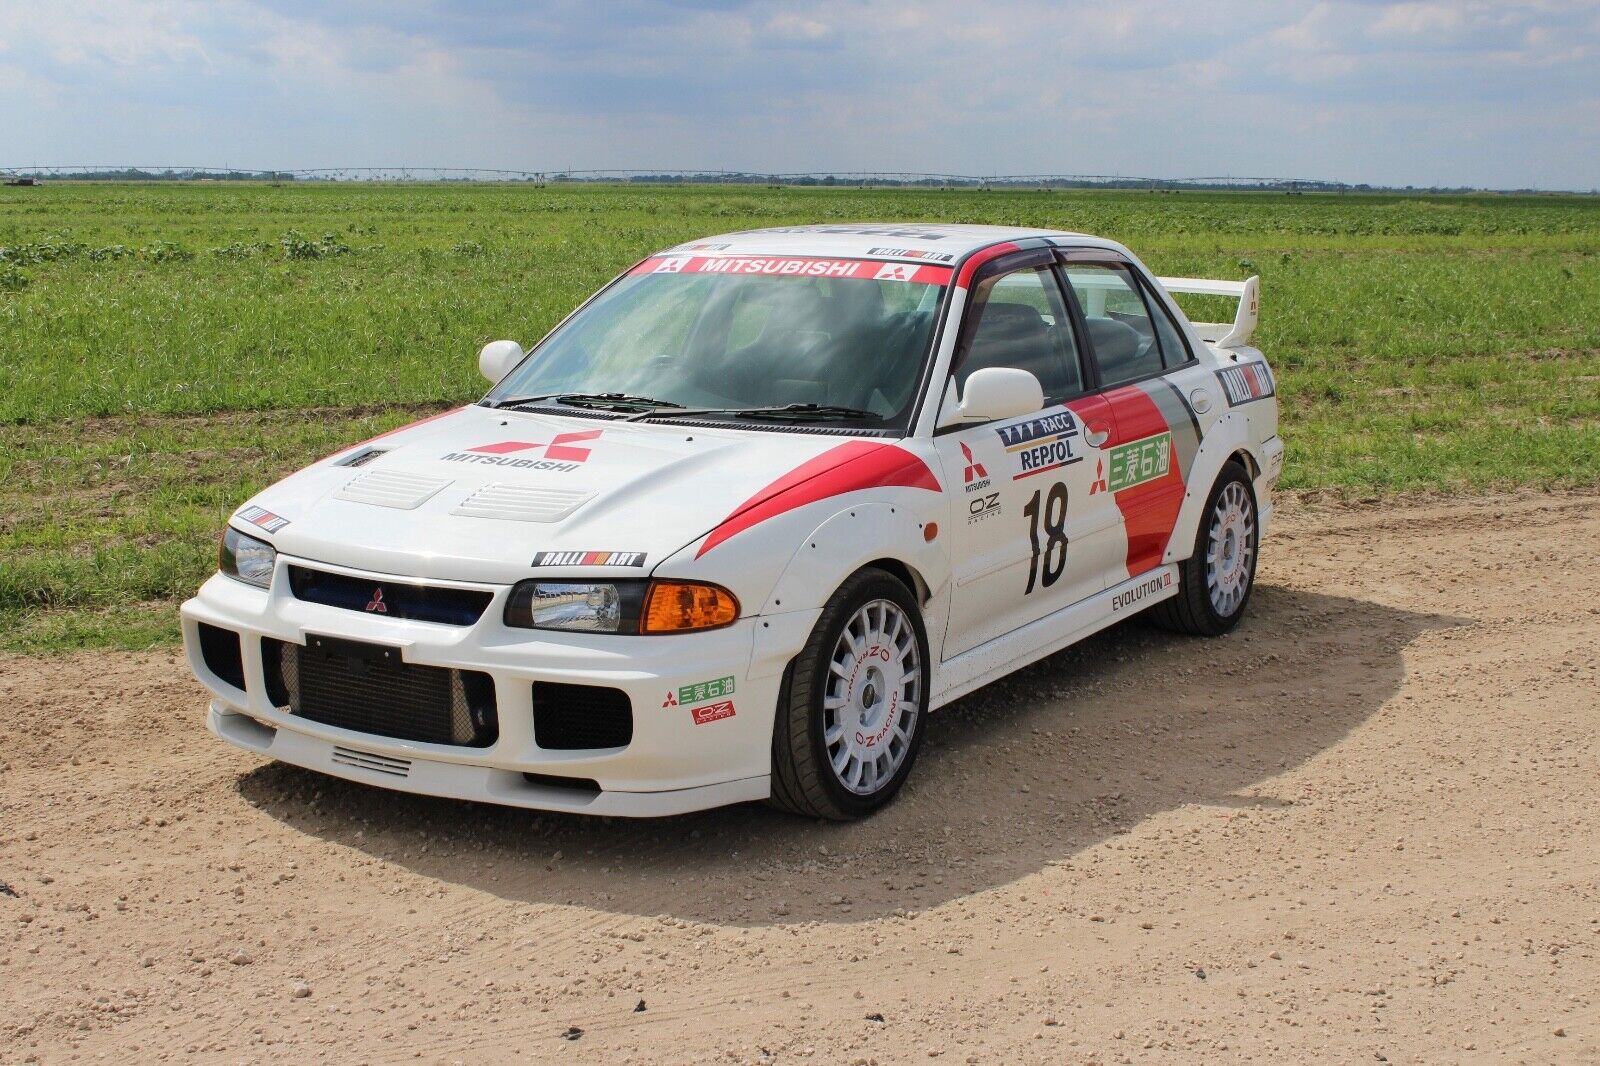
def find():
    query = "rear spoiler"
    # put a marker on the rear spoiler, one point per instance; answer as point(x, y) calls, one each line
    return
point(1248, 293)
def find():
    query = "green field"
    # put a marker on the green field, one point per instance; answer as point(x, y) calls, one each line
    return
point(166, 350)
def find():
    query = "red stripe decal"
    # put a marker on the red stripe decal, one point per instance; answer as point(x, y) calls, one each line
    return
point(850, 467)
point(795, 266)
point(396, 429)
point(980, 257)
point(1150, 510)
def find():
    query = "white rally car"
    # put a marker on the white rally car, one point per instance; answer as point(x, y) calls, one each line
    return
point(738, 524)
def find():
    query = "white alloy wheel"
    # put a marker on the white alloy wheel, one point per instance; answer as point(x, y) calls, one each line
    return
point(873, 697)
point(1230, 549)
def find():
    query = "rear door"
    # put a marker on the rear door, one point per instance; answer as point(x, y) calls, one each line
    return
point(1145, 373)
point(1022, 525)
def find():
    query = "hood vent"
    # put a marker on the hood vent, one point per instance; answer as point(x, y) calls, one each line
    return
point(363, 457)
point(518, 503)
point(383, 488)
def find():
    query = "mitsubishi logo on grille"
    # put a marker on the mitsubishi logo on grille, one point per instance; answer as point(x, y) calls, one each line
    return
point(376, 604)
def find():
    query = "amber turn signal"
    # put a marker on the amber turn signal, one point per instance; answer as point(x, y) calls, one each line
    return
point(676, 606)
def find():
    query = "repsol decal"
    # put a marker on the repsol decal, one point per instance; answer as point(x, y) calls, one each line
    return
point(1143, 590)
point(1041, 444)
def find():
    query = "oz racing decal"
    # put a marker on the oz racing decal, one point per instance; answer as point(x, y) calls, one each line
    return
point(1142, 590)
point(716, 712)
point(264, 518)
point(981, 507)
point(589, 559)
point(1041, 444)
point(561, 454)
point(1252, 381)
point(1139, 461)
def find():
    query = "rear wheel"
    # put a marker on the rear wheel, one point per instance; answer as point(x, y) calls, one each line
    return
point(1215, 582)
point(849, 719)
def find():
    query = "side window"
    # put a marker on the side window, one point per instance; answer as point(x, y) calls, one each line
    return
point(1121, 334)
point(1022, 321)
point(1174, 349)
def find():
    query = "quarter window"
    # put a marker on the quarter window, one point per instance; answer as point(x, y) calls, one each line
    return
point(1174, 349)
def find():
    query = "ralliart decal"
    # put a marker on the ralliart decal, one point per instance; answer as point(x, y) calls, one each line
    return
point(264, 518)
point(589, 559)
point(1243, 384)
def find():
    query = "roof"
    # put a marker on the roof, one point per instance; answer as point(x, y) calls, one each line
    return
point(925, 241)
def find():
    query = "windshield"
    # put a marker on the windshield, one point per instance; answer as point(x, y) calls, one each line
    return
point(734, 333)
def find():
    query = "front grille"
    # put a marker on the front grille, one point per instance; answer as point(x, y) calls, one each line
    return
point(389, 599)
point(370, 689)
point(570, 717)
point(219, 648)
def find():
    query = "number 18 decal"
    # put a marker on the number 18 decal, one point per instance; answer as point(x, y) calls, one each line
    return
point(1055, 545)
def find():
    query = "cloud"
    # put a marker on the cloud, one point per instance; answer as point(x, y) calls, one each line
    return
point(1412, 92)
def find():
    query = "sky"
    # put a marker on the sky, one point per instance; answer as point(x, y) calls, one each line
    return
point(1502, 95)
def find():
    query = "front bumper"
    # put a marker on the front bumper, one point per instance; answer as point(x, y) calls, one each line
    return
point(672, 764)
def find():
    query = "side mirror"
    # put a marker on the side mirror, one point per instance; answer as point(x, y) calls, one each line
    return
point(497, 358)
point(995, 392)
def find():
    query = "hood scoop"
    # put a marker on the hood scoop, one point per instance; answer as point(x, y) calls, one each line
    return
point(518, 503)
point(383, 488)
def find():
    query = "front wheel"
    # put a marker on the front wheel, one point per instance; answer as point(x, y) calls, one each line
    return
point(1215, 582)
point(849, 721)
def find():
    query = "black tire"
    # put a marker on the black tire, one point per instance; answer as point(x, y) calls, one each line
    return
point(804, 781)
point(1191, 610)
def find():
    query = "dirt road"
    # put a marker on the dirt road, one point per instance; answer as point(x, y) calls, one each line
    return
point(1361, 829)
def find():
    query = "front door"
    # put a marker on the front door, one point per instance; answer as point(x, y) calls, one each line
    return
point(1029, 531)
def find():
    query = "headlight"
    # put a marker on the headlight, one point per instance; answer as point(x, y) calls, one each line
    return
point(629, 607)
point(246, 558)
point(588, 606)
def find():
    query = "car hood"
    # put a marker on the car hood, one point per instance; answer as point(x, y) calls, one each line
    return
point(482, 495)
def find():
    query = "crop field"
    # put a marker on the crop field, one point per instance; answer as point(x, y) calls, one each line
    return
point(166, 350)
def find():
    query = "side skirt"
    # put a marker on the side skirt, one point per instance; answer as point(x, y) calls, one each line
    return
point(994, 659)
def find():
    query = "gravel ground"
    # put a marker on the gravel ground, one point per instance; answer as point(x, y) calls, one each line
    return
point(1360, 829)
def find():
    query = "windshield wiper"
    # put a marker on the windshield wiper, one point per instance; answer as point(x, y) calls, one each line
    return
point(600, 401)
point(785, 412)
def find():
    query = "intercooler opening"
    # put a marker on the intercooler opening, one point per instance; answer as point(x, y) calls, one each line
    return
point(370, 689)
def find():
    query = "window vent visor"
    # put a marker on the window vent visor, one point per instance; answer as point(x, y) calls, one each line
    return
point(385, 488)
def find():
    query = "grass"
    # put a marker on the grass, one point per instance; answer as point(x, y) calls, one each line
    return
point(166, 350)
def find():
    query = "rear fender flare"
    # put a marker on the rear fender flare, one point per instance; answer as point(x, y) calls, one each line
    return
point(1227, 437)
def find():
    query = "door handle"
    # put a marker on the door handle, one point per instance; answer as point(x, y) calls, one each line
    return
point(1095, 436)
